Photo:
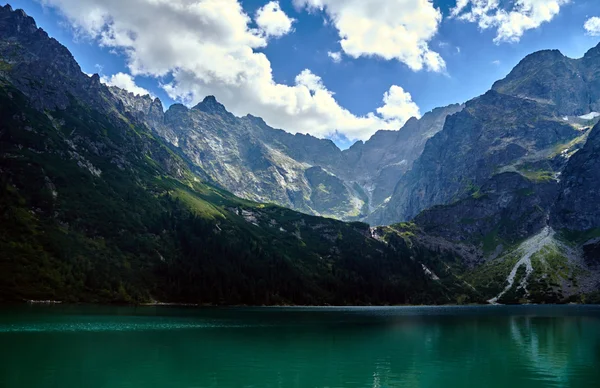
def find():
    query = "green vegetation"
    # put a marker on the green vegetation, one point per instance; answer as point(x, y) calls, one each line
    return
point(571, 146)
point(516, 294)
point(446, 265)
point(472, 190)
point(405, 230)
point(478, 194)
point(490, 277)
point(5, 66)
point(526, 192)
point(198, 206)
point(577, 237)
point(535, 173)
point(538, 175)
point(551, 269)
point(491, 241)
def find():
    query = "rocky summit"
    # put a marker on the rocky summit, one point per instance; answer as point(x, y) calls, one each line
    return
point(108, 197)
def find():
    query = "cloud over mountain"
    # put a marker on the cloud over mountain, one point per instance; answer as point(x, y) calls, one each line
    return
point(126, 82)
point(196, 48)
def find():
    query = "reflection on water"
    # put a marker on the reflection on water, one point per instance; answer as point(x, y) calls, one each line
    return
point(555, 349)
point(369, 347)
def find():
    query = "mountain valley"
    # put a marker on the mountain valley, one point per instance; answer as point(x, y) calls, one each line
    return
point(107, 197)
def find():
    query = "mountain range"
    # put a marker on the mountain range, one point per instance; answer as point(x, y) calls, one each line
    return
point(256, 162)
point(107, 197)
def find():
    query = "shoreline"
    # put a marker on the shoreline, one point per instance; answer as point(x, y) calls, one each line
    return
point(324, 306)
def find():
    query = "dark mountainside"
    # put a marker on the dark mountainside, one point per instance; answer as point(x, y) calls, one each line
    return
point(97, 208)
point(106, 198)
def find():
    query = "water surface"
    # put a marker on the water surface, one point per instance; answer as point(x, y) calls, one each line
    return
point(493, 346)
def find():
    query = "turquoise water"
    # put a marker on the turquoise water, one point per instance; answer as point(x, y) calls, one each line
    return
point(494, 346)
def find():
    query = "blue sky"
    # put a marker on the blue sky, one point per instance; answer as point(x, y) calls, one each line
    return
point(473, 60)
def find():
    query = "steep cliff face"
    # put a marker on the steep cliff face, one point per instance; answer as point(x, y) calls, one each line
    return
point(494, 133)
point(577, 206)
point(530, 122)
point(569, 85)
point(378, 164)
point(590, 64)
point(507, 209)
point(40, 66)
point(145, 109)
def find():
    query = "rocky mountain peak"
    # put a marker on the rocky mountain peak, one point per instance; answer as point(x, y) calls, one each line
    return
point(550, 78)
point(542, 56)
point(256, 120)
point(150, 109)
point(412, 121)
point(29, 53)
point(175, 108)
point(210, 105)
point(17, 21)
point(528, 66)
point(157, 103)
point(593, 53)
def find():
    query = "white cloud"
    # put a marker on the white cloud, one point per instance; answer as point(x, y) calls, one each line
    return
point(510, 18)
point(496, 62)
point(124, 81)
point(272, 20)
point(335, 56)
point(398, 105)
point(592, 26)
point(206, 47)
point(388, 29)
